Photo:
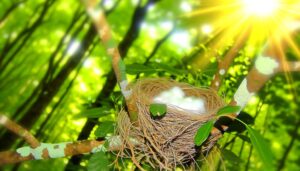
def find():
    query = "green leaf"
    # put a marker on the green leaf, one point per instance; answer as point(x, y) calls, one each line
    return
point(203, 132)
point(263, 149)
point(167, 68)
point(99, 162)
point(244, 138)
point(157, 109)
point(231, 157)
point(94, 113)
point(228, 110)
point(104, 129)
point(134, 69)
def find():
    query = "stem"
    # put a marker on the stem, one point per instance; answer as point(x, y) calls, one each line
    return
point(19, 130)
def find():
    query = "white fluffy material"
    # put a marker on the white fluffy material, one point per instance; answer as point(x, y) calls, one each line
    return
point(176, 97)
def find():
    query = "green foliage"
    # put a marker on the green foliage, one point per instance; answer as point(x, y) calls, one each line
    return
point(228, 110)
point(105, 128)
point(231, 157)
point(151, 68)
point(157, 109)
point(191, 58)
point(244, 138)
point(203, 132)
point(167, 68)
point(139, 68)
point(98, 162)
point(262, 148)
point(94, 113)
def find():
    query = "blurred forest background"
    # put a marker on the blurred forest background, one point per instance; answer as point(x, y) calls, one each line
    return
point(56, 79)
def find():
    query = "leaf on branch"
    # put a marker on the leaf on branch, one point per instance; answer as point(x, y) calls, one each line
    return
point(203, 132)
point(134, 69)
point(99, 162)
point(94, 113)
point(228, 110)
point(152, 68)
point(244, 138)
point(263, 149)
point(105, 128)
point(167, 68)
point(157, 109)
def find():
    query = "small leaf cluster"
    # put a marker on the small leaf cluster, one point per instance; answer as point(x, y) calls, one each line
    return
point(257, 140)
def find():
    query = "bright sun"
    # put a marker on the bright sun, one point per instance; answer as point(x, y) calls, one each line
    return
point(261, 8)
point(246, 24)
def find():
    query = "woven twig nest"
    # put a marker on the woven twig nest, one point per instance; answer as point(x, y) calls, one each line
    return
point(168, 141)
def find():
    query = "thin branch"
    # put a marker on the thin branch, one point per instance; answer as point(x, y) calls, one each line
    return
point(105, 35)
point(38, 151)
point(288, 149)
point(291, 67)
point(158, 45)
point(46, 151)
point(19, 130)
point(225, 63)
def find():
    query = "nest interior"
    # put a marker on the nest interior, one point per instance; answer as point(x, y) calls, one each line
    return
point(168, 141)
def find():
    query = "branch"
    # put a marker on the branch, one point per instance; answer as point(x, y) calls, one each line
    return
point(158, 45)
point(104, 33)
point(38, 151)
point(46, 151)
point(58, 150)
point(291, 67)
point(224, 64)
point(20, 131)
point(271, 62)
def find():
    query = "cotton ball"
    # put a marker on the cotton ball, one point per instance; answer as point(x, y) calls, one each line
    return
point(193, 104)
point(163, 97)
point(186, 103)
point(176, 97)
point(200, 103)
point(172, 96)
point(177, 92)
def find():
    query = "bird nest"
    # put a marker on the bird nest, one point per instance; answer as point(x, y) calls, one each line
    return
point(168, 141)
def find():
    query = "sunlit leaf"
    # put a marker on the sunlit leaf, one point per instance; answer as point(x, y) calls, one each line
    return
point(167, 68)
point(228, 110)
point(94, 113)
point(157, 109)
point(104, 128)
point(203, 132)
point(99, 162)
point(262, 148)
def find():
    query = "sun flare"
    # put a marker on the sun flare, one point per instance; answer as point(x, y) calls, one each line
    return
point(246, 24)
point(261, 8)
